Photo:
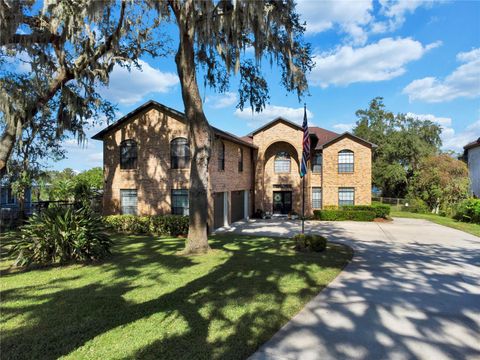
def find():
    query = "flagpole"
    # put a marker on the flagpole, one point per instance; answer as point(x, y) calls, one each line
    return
point(305, 174)
point(303, 205)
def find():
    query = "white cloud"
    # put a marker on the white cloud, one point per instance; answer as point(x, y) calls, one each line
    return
point(255, 120)
point(221, 101)
point(343, 127)
point(129, 87)
point(349, 17)
point(451, 139)
point(357, 19)
point(464, 81)
point(380, 61)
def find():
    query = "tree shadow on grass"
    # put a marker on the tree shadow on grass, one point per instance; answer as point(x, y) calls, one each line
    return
point(227, 312)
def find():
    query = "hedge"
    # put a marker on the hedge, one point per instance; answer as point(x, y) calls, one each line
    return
point(172, 225)
point(380, 210)
point(340, 215)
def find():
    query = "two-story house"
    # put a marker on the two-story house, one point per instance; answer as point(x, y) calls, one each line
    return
point(147, 160)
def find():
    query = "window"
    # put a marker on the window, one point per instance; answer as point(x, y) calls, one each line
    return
point(316, 197)
point(128, 201)
point(282, 162)
point(179, 153)
point(317, 162)
point(221, 156)
point(240, 160)
point(345, 161)
point(346, 196)
point(180, 202)
point(128, 154)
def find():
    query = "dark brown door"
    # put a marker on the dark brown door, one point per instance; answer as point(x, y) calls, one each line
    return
point(237, 205)
point(218, 213)
point(282, 202)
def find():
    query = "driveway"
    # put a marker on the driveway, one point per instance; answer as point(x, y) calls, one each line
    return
point(412, 291)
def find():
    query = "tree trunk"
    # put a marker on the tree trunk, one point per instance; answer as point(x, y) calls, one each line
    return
point(7, 142)
point(199, 132)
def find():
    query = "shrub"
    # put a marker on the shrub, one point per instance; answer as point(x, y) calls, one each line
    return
point(59, 234)
point(416, 205)
point(468, 211)
point(340, 215)
point(380, 210)
point(172, 225)
point(312, 242)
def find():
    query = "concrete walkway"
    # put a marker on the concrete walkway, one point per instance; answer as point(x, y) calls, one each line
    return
point(412, 291)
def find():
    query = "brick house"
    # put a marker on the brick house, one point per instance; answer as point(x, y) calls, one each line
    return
point(146, 168)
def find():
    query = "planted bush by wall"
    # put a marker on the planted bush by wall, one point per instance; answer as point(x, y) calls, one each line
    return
point(168, 225)
point(380, 210)
point(342, 215)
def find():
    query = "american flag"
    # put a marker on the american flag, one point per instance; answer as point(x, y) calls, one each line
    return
point(305, 143)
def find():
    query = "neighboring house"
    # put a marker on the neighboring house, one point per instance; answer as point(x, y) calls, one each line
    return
point(472, 156)
point(146, 167)
point(9, 200)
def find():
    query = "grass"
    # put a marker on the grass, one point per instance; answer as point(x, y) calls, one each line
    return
point(147, 302)
point(470, 228)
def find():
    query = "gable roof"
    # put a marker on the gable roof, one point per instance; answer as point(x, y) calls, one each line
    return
point(277, 119)
point(323, 135)
point(472, 144)
point(154, 104)
point(350, 135)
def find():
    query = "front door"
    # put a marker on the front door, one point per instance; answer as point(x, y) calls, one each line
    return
point(282, 202)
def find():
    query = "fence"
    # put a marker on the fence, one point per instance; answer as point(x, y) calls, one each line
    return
point(395, 203)
point(11, 217)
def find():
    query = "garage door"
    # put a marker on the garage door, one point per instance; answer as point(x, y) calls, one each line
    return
point(218, 211)
point(237, 205)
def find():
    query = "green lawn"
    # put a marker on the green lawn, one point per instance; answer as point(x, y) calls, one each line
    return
point(473, 229)
point(146, 302)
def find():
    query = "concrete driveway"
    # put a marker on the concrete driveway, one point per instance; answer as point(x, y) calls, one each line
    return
point(412, 291)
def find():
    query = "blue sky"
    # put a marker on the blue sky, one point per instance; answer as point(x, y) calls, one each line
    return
point(422, 57)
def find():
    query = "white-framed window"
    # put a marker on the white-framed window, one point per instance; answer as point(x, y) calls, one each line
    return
point(128, 154)
point(317, 160)
point(346, 196)
point(179, 153)
point(128, 201)
point(282, 163)
point(316, 197)
point(345, 161)
point(180, 201)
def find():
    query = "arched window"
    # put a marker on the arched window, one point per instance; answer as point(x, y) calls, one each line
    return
point(282, 163)
point(128, 154)
point(179, 153)
point(317, 162)
point(345, 161)
point(221, 156)
point(240, 159)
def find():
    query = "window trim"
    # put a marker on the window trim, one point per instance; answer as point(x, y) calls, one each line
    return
point(121, 202)
point(175, 164)
point(277, 156)
point(221, 157)
point(320, 199)
point(344, 167)
point(346, 188)
point(125, 144)
point(186, 209)
point(240, 159)
point(315, 154)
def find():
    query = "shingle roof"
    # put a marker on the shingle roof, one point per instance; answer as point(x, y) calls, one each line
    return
point(153, 103)
point(323, 135)
point(472, 144)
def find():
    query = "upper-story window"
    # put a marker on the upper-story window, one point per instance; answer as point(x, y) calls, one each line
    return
point(317, 159)
point(240, 159)
point(179, 153)
point(282, 162)
point(345, 161)
point(221, 156)
point(128, 154)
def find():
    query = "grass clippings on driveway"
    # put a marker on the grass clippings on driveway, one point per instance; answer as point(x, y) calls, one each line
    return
point(147, 302)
